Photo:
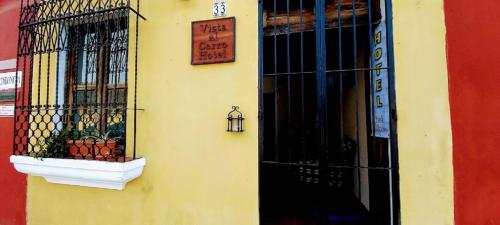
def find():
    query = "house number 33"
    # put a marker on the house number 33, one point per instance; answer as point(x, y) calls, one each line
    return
point(219, 8)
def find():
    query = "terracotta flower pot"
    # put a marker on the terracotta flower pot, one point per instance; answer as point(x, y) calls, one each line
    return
point(80, 149)
point(105, 149)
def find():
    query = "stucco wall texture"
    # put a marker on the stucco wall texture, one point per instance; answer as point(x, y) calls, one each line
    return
point(198, 174)
point(424, 126)
point(473, 31)
point(12, 184)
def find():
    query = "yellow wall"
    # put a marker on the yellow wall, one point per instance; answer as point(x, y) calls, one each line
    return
point(425, 153)
point(196, 172)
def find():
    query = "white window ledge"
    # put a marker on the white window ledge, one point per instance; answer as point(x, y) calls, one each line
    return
point(98, 174)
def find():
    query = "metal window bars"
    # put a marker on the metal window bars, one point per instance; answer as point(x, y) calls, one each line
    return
point(320, 160)
point(79, 76)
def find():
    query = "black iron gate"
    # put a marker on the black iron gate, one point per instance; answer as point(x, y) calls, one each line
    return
point(325, 157)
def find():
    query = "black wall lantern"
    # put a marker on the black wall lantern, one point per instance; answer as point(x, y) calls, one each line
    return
point(235, 120)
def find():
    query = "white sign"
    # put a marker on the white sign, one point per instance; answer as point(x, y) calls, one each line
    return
point(380, 79)
point(8, 80)
point(219, 8)
point(6, 110)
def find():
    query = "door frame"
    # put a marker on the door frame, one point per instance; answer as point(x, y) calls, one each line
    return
point(320, 50)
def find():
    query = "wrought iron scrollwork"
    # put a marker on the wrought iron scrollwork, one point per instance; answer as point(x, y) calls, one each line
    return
point(74, 57)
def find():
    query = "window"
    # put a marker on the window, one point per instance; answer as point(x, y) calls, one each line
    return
point(76, 56)
point(101, 67)
point(96, 87)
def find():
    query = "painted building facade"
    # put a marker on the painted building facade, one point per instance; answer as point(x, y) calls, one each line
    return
point(13, 185)
point(474, 103)
point(197, 173)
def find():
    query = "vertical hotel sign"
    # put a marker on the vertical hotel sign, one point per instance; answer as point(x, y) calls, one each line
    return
point(213, 41)
point(380, 80)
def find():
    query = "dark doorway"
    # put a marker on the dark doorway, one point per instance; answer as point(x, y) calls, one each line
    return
point(320, 161)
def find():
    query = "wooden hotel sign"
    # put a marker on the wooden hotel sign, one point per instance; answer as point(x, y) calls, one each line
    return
point(213, 41)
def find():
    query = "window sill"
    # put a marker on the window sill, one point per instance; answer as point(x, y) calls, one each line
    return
point(97, 174)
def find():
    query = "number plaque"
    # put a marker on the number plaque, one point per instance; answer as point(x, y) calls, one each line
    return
point(219, 8)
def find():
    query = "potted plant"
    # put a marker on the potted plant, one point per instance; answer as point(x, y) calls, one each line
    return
point(54, 146)
point(80, 148)
point(88, 143)
point(105, 146)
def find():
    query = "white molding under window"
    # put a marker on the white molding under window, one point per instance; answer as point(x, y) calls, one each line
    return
point(97, 174)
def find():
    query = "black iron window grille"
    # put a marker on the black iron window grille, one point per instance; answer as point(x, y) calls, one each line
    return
point(78, 97)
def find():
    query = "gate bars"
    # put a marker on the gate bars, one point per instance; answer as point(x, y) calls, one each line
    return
point(284, 37)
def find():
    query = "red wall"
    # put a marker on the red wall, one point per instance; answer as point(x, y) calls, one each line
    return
point(473, 42)
point(12, 183)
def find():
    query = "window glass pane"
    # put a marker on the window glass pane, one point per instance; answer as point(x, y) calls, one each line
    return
point(117, 96)
point(118, 57)
point(87, 59)
point(91, 97)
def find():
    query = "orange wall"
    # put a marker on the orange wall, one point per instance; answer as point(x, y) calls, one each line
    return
point(12, 184)
point(9, 15)
point(473, 46)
